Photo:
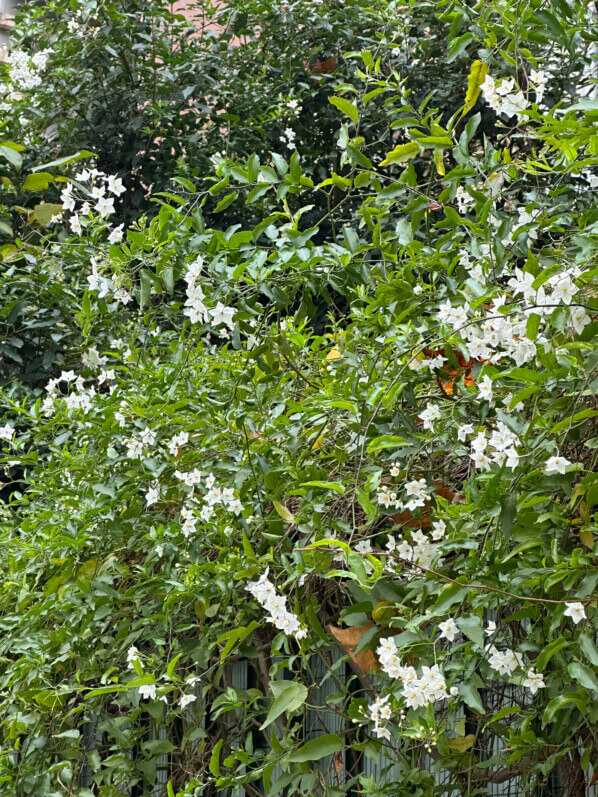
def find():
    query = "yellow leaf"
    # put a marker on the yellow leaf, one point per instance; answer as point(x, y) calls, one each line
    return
point(477, 75)
point(587, 538)
point(438, 153)
point(318, 442)
point(401, 154)
point(462, 743)
point(334, 353)
point(283, 512)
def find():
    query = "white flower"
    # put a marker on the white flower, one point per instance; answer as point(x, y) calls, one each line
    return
point(438, 529)
point(579, 319)
point(148, 691)
point(453, 691)
point(152, 495)
point(575, 611)
point(116, 235)
point(490, 628)
point(463, 431)
point(186, 699)
point(485, 388)
point(115, 185)
point(133, 656)
point(6, 432)
point(429, 415)
point(534, 681)
point(160, 551)
point(105, 206)
point(556, 464)
point(222, 315)
point(449, 629)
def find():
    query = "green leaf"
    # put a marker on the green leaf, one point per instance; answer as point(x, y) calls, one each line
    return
point(225, 202)
point(451, 594)
point(477, 75)
point(559, 702)
point(9, 154)
point(215, 758)
point(549, 651)
point(401, 154)
point(473, 628)
point(471, 697)
point(83, 153)
point(346, 107)
point(589, 649)
point(318, 748)
point(288, 697)
point(339, 488)
point(387, 441)
point(508, 513)
point(145, 288)
point(583, 675)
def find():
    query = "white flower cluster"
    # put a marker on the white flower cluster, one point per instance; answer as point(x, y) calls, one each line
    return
point(504, 662)
point(96, 187)
point(79, 399)
point(178, 441)
point(25, 68)
point(562, 291)
point(104, 286)
point(214, 496)
point(195, 307)
point(416, 491)
point(424, 690)
point(502, 96)
point(265, 594)
point(498, 449)
point(421, 552)
point(136, 446)
point(379, 712)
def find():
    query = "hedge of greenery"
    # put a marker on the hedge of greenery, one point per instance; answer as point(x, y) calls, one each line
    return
point(315, 397)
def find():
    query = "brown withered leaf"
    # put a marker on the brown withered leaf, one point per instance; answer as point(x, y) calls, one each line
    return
point(409, 521)
point(349, 638)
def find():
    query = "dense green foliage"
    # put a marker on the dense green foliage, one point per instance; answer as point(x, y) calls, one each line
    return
point(331, 395)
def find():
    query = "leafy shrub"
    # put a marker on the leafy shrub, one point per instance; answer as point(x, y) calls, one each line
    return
point(361, 418)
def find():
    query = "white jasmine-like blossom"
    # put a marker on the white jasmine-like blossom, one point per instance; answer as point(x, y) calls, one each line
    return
point(186, 699)
point(485, 388)
point(579, 319)
point(178, 441)
point(463, 431)
point(152, 496)
point(115, 185)
point(379, 712)
point(504, 662)
point(438, 530)
point(556, 464)
point(266, 595)
point(105, 206)
point(6, 432)
point(159, 551)
point(117, 234)
point(429, 415)
point(534, 681)
point(575, 611)
point(221, 314)
point(449, 629)
point(133, 656)
point(490, 627)
point(147, 691)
